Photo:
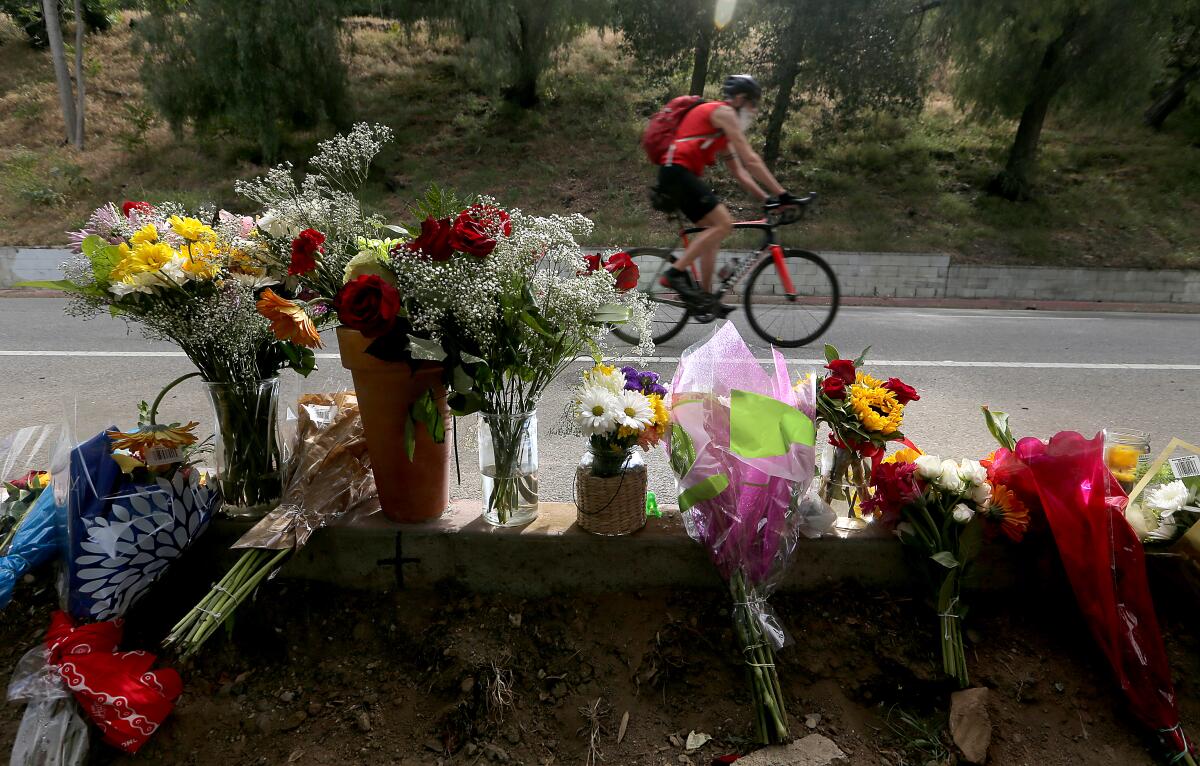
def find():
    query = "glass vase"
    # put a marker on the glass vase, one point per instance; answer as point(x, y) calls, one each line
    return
point(249, 467)
point(845, 485)
point(508, 463)
point(1127, 455)
point(610, 491)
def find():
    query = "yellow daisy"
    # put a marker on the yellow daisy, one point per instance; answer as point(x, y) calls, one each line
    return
point(145, 235)
point(190, 229)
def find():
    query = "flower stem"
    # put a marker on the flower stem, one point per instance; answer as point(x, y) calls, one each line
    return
point(158, 399)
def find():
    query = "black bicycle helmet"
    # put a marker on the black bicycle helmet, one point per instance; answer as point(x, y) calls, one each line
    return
point(738, 84)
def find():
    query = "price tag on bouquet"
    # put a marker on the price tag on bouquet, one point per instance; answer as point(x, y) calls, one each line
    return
point(163, 455)
point(321, 414)
point(1185, 467)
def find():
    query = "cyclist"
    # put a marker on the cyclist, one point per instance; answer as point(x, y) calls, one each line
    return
point(708, 132)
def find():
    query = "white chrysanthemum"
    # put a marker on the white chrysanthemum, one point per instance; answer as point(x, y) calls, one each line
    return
point(598, 411)
point(1168, 497)
point(635, 410)
point(613, 381)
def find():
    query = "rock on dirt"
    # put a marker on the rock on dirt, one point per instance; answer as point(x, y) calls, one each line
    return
point(970, 724)
point(813, 750)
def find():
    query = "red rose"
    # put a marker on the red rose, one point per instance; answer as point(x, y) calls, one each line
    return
point(128, 206)
point(494, 219)
point(621, 266)
point(368, 304)
point(833, 387)
point(434, 240)
point(304, 249)
point(895, 486)
point(594, 262)
point(904, 392)
point(471, 237)
point(842, 368)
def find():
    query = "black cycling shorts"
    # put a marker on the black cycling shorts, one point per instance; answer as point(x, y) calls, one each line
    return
point(686, 191)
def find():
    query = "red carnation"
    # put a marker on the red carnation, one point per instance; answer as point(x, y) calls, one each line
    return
point(305, 247)
point(895, 485)
point(833, 387)
point(904, 392)
point(128, 206)
point(842, 368)
point(471, 237)
point(368, 304)
point(621, 266)
point(434, 240)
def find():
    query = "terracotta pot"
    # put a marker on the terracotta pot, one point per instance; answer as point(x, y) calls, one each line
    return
point(409, 490)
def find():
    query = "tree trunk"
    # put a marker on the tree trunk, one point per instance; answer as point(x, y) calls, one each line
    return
point(788, 72)
point(59, 55)
point(700, 65)
point(524, 90)
point(80, 30)
point(1014, 182)
point(1170, 100)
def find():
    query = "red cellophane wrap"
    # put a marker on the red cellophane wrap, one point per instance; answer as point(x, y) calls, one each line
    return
point(117, 690)
point(1104, 562)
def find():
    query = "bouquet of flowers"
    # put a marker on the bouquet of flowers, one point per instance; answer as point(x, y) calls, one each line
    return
point(741, 446)
point(863, 414)
point(202, 285)
point(619, 410)
point(27, 511)
point(504, 301)
point(945, 510)
point(329, 478)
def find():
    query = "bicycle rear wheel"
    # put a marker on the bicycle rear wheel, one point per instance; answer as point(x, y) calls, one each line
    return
point(789, 320)
point(670, 313)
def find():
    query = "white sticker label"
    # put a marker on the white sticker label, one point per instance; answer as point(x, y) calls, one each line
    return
point(156, 456)
point(1186, 466)
point(321, 414)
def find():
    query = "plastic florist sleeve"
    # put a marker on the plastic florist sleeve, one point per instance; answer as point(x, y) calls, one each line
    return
point(742, 448)
point(29, 519)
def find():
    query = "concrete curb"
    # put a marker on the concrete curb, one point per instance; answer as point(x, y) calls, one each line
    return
point(917, 276)
point(553, 555)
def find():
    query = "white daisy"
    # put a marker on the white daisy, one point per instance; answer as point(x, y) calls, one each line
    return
point(613, 381)
point(635, 411)
point(599, 411)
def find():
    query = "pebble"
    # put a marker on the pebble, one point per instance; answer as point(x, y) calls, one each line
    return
point(293, 720)
point(467, 684)
point(363, 722)
point(315, 708)
point(287, 696)
point(513, 736)
point(812, 720)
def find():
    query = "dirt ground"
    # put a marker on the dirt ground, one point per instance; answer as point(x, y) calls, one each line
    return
point(317, 675)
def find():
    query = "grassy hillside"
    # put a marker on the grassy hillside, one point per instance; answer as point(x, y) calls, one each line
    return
point(1110, 195)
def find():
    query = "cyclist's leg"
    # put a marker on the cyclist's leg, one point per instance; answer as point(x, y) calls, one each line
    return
point(718, 224)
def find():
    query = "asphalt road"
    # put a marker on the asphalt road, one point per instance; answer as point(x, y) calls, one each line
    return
point(1051, 370)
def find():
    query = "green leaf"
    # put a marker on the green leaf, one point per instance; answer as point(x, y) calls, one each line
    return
point(683, 451)
point(612, 313)
point(946, 559)
point(970, 540)
point(65, 285)
point(859, 359)
point(102, 255)
point(424, 348)
point(534, 319)
point(997, 425)
point(302, 360)
point(410, 436)
point(831, 353)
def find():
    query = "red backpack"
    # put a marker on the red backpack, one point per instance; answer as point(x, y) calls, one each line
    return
point(660, 132)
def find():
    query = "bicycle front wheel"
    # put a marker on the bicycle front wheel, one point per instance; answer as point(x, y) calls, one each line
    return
point(670, 313)
point(796, 318)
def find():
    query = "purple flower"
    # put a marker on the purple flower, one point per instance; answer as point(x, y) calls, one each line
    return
point(643, 381)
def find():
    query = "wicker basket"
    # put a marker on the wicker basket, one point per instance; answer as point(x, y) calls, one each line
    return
point(611, 505)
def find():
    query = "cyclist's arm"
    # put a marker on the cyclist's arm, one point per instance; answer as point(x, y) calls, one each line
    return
point(738, 171)
point(725, 119)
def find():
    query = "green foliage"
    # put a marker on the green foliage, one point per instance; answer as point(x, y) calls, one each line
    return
point(513, 42)
point(97, 14)
point(663, 36)
point(257, 69)
point(26, 176)
point(138, 120)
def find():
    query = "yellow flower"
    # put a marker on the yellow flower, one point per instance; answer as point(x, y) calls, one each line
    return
point(142, 258)
point(603, 369)
point(876, 408)
point(146, 234)
point(190, 228)
point(863, 379)
point(906, 455)
point(662, 415)
point(289, 321)
point(202, 260)
point(148, 437)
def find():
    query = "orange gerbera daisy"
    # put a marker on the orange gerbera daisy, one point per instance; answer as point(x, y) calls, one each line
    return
point(1007, 510)
point(146, 438)
point(289, 321)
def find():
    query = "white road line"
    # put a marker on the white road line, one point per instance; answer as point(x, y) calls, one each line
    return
point(675, 360)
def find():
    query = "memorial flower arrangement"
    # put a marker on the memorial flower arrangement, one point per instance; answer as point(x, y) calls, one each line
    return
point(619, 410)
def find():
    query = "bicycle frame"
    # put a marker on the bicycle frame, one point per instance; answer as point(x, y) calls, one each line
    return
point(770, 247)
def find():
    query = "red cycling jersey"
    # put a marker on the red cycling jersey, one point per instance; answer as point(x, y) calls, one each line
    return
point(697, 142)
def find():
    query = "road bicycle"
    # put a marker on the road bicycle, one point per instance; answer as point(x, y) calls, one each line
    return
point(790, 296)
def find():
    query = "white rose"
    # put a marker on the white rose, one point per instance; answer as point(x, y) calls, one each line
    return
point(929, 467)
point(972, 472)
point(367, 262)
point(1168, 497)
point(949, 477)
point(274, 225)
point(981, 494)
point(962, 513)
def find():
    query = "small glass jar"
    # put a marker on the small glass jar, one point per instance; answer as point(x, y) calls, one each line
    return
point(1127, 455)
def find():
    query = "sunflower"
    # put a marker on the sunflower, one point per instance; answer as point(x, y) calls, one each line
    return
point(148, 437)
point(905, 455)
point(1007, 510)
point(288, 320)
point(876, 408)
